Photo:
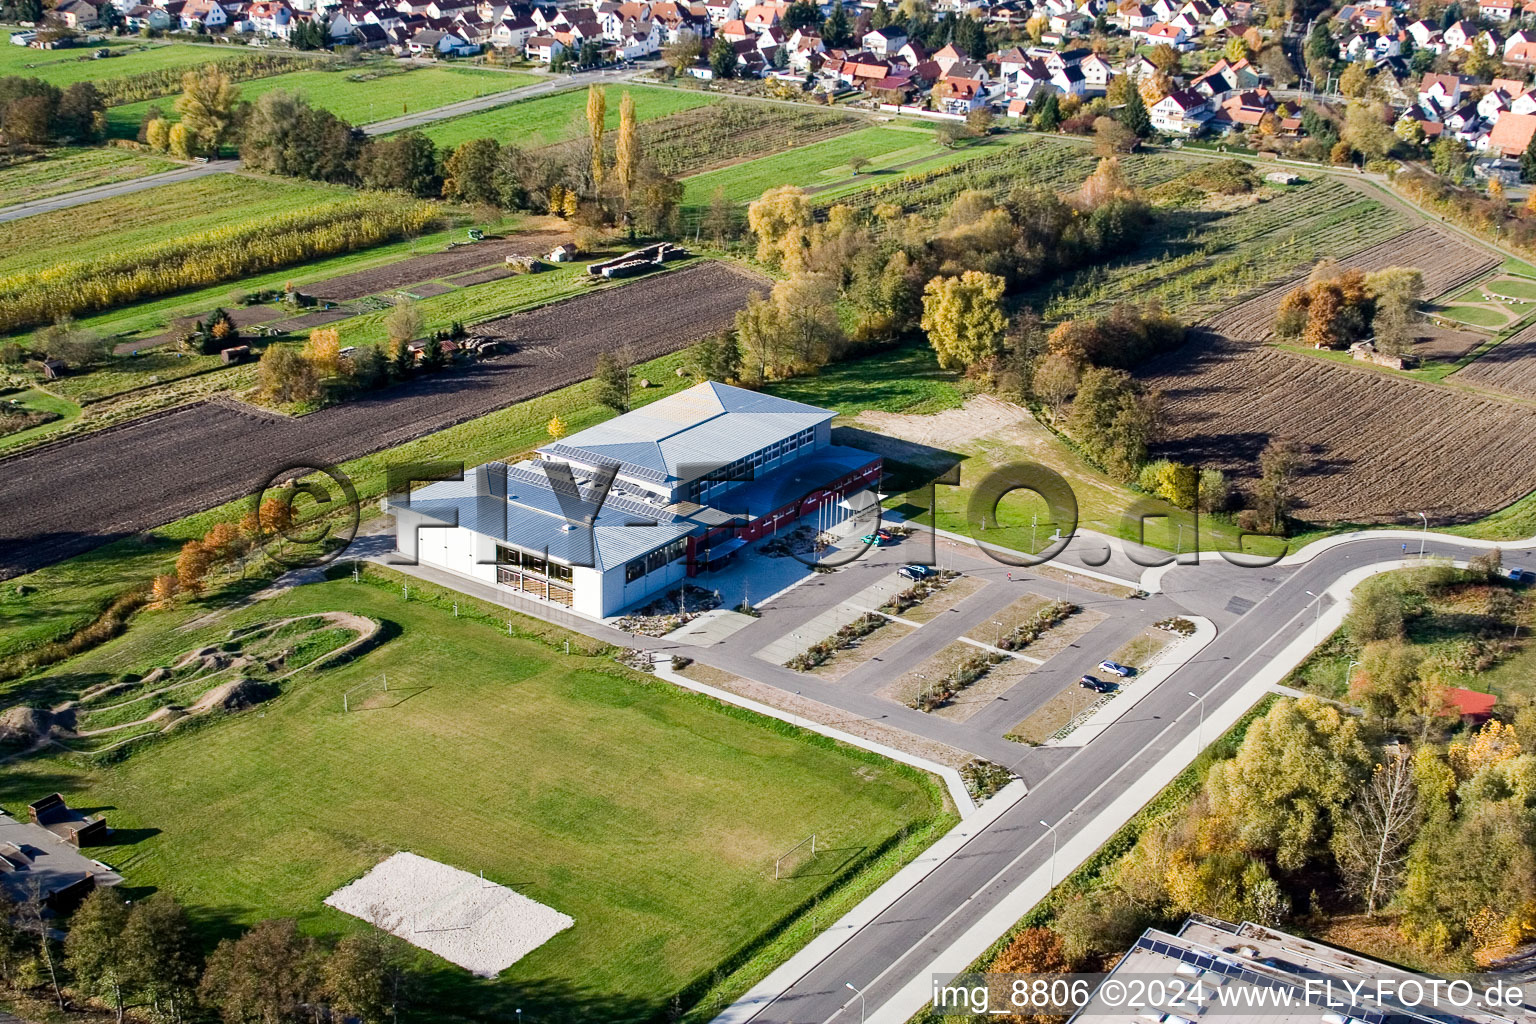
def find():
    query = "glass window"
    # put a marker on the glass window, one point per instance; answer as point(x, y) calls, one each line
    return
point(507, 556)
point(634, 570)
point(559, 572)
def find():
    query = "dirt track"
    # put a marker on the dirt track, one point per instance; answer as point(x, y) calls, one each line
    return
point(65, 499)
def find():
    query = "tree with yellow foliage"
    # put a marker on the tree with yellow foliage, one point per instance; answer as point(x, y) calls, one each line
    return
point(1493, 744)
point(774, 216)
point(192, 566)
point(555, 427)
point(207, 108)
point(164, 590)
point(626, 150)
point(597, 110)
point(323, 351)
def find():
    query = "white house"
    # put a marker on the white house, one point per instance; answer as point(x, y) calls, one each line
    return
point(884, 42)
point(1181, 112)
point(1496, 10)
point(617, 514)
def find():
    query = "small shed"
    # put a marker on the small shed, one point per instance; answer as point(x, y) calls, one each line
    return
point(53, 369)
point(235, 354)
point(563, 253)
point(1473, 707)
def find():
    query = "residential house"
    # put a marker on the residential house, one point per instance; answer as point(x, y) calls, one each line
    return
point(1461, 35)
point(884, 42)
point(543, 49)
point(1520, 49)
point(1130, 17)
point(77, 14)
point(721, 11)
point(513, 33)
point(948, 57)
point(1163, 32)
point(964, 89)
point(1511, 136)
point(1443, 92)
point(1096, 72)
point(208, 13)
point(1426, 37)
point(1226, 77)
point(1181, 112)
point(1496, 10)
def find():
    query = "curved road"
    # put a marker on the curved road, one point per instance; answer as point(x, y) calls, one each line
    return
point(899, 944)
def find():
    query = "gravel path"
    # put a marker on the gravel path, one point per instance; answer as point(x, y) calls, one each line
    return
point(64, 499)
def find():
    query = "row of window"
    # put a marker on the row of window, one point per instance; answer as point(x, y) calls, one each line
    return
point(744, 469)
point(532, 563)
point(655, 560)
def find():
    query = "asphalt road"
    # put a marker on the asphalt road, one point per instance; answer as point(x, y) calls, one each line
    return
point(64, 499)
point(899, 944)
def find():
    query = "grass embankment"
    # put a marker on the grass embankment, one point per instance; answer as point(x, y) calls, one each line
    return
point(547, 119)
point(358, 96)
point(650, 815)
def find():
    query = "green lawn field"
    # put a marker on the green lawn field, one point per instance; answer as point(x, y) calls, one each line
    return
point(547, 119)
point(651, 816)
point(818, 165)
point(159, 214)
point(38, 401)
point(67, 169)
point(356, 99)
point(131, 56)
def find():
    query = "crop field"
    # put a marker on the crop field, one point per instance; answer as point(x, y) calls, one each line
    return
point(694, 140)
point(996, 166)
point(159, 215)
point(548, 119)
point(64, 170)
point(130, 57)
point(649, 815)
point(201, 455)
point(1196, 260)
point(1224, 400)
point(356, 96)
point(819, 165)
point(1446, 262)
point(1509, 367)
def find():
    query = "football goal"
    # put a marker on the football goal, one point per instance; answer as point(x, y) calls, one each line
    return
point(366, 694)
point(795, 858)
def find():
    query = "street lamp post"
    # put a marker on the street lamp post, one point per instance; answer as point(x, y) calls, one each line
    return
point(1317, 614)
point(997, 634)
point(1424, 533)
point(1200, 732)
point(1349, 674)
point(851, 985)
point(1052, 829)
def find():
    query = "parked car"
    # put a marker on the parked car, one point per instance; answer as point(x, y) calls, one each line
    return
point(1114, 668)
point(915, 572)
point(1095, 684)
point(873, 538)
point(1522, 576)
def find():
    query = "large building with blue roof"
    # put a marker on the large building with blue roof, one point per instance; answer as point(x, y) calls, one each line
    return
point(614, 515)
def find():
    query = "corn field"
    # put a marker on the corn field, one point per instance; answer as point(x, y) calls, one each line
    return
point(207, 258)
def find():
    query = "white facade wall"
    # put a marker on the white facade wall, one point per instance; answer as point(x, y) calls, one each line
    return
point(595, 593)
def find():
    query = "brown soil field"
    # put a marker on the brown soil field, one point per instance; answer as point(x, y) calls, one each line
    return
point(1509, 367)
point(479, 276)
point(64, 499)
point(460, 259)
point(1446, 262)
point(1445, 344)
point(1380, 447)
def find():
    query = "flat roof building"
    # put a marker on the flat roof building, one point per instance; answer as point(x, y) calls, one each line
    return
point(613, 515)
point(1222, 973)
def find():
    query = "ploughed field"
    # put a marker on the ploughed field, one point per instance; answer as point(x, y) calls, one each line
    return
point(1509, 367)
point(71, 497)
point(1379, 447)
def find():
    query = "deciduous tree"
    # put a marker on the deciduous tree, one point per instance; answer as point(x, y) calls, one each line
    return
point(93, 949)
point(267, 976)
point(964, 317)
point(207, 108)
